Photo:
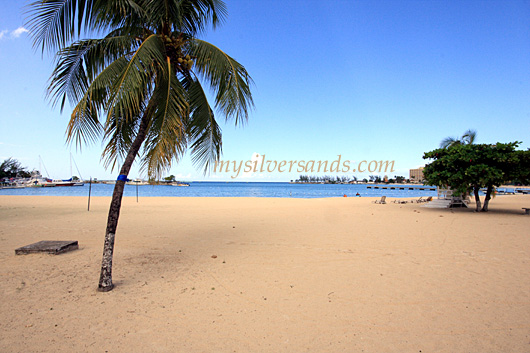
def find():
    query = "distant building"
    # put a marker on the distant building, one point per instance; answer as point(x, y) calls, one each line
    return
point(416, 175)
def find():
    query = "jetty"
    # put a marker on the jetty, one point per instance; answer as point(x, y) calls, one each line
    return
point(510, 190)
point(394, 187)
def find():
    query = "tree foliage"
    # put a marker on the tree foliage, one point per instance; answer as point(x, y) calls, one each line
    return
point(468, 138)
point(150, 65)
point(400, 179)
point(11, 168)
point(470, 167)
point(170, 179)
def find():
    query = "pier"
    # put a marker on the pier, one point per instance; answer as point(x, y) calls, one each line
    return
point(429, 188)
point(510, 190)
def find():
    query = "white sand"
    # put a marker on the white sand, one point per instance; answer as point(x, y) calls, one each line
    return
point(291, 275)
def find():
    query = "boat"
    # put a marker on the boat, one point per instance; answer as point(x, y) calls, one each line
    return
point(37, 179)
point(39, 182)
point(12, 184)
point(63, 182)
point(137, 182)
point(11, 187)
point(178, 183)
point(77, 181)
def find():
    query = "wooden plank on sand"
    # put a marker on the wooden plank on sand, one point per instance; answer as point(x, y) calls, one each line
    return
point(48, 246)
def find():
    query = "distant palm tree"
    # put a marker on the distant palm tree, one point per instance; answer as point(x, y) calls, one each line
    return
point(141, 84)
point(467, 138)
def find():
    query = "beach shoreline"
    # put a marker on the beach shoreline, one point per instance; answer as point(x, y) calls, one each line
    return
point(267, 275)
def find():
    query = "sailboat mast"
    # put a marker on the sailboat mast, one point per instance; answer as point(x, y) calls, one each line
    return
point(76, 167)
point(41, 161)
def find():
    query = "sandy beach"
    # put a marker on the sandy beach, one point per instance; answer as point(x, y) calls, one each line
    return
point(267, 275)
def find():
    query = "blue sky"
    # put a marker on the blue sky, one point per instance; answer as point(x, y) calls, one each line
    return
point(367, 80)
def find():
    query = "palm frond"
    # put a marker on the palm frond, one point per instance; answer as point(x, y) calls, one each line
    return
point(449, 142)
point(119, 137)
point(195, 14)
point(166, 140)
point(53, 23)
point(469, 137)
point(81, 62)
point(203, 131)
point(134, 85)
point(228, 78)
point(69, 78)
point(84, 125)
point(187, 16)
point(119, 13)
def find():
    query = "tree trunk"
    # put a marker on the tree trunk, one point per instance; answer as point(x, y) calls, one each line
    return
point(487, 199)
point(105, 279)
point(477, 198)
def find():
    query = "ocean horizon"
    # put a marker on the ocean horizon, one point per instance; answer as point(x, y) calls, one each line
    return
point(234, 189)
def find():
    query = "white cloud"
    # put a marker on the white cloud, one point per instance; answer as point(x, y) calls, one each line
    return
point(2, 33)
point(18, 32)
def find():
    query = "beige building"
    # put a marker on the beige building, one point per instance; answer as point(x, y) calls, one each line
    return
point(416, 175)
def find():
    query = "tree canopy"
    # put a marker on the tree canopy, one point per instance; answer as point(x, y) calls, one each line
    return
point(11, 168)
point(150, 66)
point(170, 179)
point(470, 167)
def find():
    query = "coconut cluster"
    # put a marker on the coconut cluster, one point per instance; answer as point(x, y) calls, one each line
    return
point(174, 51)
point(186, 62)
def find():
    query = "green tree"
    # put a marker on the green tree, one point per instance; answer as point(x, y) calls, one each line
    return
point(11, 168)
point(472, 167)
point(399, 179)
point(520, 174)
point(170, 179)
point(467, 139)
point(140, 87)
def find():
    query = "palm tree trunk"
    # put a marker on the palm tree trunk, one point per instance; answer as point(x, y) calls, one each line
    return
point(487, 199)
point(105, 279)
point(477, 198)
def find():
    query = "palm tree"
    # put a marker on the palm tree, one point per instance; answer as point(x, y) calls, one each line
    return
point(467, 138)
point(140, 87)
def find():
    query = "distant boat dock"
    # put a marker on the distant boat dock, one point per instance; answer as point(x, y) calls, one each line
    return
point(394, 187)
point(511, 190)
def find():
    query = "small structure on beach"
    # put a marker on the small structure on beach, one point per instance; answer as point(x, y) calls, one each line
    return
point(48, 246)
point(446, 200)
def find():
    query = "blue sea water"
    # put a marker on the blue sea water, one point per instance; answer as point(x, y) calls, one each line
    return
point(227, 189)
